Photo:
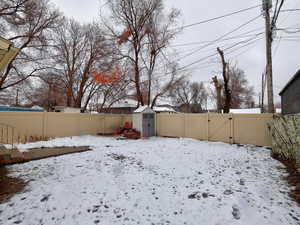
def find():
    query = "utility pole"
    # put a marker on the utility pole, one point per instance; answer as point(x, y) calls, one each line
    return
point(262, 93)
point(267, 5)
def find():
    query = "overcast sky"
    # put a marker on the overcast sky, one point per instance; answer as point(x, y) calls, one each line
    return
point(250, 58)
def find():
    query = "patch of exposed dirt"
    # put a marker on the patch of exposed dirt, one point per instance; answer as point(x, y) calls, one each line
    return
point(293, 178)
point(9, 185)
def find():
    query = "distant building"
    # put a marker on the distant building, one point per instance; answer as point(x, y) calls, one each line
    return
point(190, 108)
point(123, 107)
point(290, 96)
point(164, 109)
point(65, 109)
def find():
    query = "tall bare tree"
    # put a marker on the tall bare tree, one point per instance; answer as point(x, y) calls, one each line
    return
point(242, 94)
point(226, 78)
point(147, 34)
point(79, 50)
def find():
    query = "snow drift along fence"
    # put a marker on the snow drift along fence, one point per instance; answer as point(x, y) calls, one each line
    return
point(286, 138)
point(34, 126)
point(228, 128)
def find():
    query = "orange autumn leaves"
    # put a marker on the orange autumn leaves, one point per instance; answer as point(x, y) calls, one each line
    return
point(106, 77)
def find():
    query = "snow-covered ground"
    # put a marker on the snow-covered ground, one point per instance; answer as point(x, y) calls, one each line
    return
point(154, 181)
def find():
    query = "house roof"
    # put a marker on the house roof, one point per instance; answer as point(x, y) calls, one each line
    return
point(141, 109)
point(290, 82)
point(155, 109)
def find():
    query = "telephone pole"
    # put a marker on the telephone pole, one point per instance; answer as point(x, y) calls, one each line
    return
point(267, 5)
point(262, 106)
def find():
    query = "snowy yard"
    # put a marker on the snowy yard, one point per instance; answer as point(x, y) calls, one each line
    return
point(155, 181)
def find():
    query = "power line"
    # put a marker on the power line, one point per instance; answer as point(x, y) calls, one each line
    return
point(220, 17)
point(290, 10)
point(221, 37)
point(242, 35)
point(186, 67)
point(222, 46)
point(195, 62)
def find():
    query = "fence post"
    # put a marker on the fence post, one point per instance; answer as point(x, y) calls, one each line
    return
point(207, 121)
point(156, 124)
point(184, 125)
point(103, 124)
point(231, 128)
point(45, 122)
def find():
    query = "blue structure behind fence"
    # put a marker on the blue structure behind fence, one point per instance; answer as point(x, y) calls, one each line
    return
point(16, 109)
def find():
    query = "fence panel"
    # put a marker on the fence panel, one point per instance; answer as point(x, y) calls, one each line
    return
point(228, 128)
point(252, 129)
point(170, 125)
point(220, 128)
point(32, 126)
point(196, 126)
point(26, 126)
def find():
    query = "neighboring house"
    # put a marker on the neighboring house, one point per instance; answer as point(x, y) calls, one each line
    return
point(163, 109)
point(125, 107)
point(18, 109)
point(290, 96)
point(190, 108)
point(65, 109)
point(128, 106)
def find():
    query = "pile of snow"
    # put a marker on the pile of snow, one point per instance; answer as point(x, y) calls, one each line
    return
point(154, 181)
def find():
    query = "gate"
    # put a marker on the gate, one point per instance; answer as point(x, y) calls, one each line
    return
point(148, 125)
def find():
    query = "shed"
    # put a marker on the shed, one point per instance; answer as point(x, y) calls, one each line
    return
point(144, 121)
point(290, 96)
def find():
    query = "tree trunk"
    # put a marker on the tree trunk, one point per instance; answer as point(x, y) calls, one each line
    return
point(227, 91)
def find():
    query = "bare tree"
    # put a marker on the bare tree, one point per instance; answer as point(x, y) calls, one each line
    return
point(225, 74)
point(12, 7)
point(108, 94)
point(79, 50)
point(147, 34)
point(48, 93)
point(191, 96)
point(242, 94)
point(29, 30)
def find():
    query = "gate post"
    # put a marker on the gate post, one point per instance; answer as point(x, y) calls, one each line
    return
point(231, 118)
point(207, 130)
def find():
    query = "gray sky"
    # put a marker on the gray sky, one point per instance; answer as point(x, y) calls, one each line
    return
point(250, 58)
